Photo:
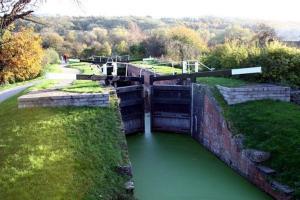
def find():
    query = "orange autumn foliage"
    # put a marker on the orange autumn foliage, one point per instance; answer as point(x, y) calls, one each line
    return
point(21, 56)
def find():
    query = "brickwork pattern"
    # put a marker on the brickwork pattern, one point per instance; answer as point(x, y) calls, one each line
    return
point(59, 99)
point(215, 134)
point(255, 92)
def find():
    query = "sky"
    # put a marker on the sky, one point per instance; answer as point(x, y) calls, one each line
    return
point(283, 10)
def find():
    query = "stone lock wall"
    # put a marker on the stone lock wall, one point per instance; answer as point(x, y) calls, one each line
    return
point(254, 92)
point(214, 133)
point(58, 99)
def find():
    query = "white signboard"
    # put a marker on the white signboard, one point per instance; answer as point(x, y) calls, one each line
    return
point(250, 70)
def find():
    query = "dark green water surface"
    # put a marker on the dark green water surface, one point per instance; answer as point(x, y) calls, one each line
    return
point(176, 167)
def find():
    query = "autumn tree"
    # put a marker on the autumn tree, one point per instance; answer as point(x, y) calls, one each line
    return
point(119, 34)
point(21, 58)
point(184, 43)
point(121, 48)
point(156, 44)
point(52, 40)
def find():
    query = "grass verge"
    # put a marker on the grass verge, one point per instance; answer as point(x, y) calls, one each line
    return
point(160, 69)
point(61, 153)
point(267, 125)
point(84, 68)
point(83, 86)
point(227, 82)
point(9, 86)
point(52, 68)
point(43, 85)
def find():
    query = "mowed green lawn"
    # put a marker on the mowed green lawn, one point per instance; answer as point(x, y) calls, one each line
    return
point(85, 86)
point(157, 68)
point(267, 125)
point(60, 153)
point(84, 68)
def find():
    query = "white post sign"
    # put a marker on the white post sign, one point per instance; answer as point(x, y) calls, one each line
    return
point(250, 70)
point(184, 67)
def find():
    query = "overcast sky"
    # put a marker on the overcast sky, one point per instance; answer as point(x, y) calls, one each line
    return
point(254, 9)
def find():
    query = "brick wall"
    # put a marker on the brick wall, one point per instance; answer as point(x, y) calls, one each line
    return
point(254, 92)
point(58, 99)
point(136, 71)
point(295, 97)
point(215, 134)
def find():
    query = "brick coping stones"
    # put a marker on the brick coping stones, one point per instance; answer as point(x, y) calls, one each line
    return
point(56, 98)
point(255, 92)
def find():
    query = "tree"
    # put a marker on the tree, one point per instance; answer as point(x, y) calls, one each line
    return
point(121, 48)
point(185, 43)
point(105, 49)
point(52, 40)
point(137, 51)
point(21, 58)
point(97, 50)
point(265, 35)
point(118, 34)
point(156, 44)
point(234, 33)
point(100, 33)
point(12, 10)
point(136, 34)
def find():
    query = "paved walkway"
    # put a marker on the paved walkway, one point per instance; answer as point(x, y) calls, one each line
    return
point(5, 94)
point(65, 78)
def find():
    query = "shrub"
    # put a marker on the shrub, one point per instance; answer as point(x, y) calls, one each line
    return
point(20, 56)
point(230, 55)
point(50, 57)
point(137, 51)
point(280, 63)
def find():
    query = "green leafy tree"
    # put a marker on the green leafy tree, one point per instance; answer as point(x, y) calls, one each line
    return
point(137, 51)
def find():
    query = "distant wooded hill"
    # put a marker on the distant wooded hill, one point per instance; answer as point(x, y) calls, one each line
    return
point(84, 36)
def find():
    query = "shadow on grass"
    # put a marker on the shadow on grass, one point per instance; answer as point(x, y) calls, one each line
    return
point(61, 153)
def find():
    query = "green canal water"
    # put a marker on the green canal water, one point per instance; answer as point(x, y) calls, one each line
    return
point(176, 167)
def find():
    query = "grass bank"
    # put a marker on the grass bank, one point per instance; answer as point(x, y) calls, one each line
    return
point(227, 82)
point(157, 68)
point(267, 125)
point(85, 86)
point(50, 68)
point(84, 68)
point(60, 153)
point(12, 85)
